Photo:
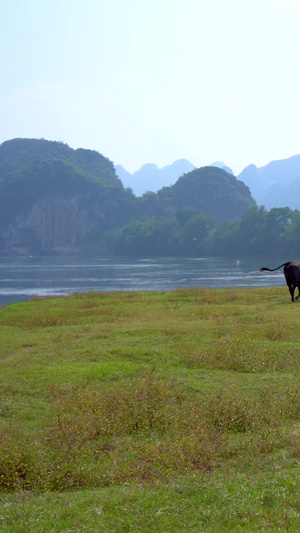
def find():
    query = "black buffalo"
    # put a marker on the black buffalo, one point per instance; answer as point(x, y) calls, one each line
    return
point(292, 276)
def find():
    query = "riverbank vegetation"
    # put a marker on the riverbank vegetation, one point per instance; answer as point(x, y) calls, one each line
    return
point(174, 411)
point(192, 234)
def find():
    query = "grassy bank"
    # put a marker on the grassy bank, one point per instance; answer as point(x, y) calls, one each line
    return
point(175, 411)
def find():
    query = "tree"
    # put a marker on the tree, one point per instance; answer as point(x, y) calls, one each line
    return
point(145, 237)
point(192, 232)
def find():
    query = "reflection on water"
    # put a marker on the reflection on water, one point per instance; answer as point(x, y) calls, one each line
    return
point(22, 278)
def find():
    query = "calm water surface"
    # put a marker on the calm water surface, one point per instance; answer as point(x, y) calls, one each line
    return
point(22, 278)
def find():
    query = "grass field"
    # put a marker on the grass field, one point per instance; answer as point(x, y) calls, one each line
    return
point(151, 412)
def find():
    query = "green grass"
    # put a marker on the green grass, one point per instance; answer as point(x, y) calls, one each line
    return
point(175, 411)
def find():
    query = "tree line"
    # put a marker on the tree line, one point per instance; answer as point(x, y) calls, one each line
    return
point(190, 232)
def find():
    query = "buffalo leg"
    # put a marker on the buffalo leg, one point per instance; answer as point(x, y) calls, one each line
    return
point(292, 291)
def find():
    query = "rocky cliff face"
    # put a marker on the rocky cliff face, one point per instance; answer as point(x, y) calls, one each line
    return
point(52, 225)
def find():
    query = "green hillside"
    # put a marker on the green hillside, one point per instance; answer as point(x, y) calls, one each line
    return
point(56, 200)
point(213, 191)
point(18, 154)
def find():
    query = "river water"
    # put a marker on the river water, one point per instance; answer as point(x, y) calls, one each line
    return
point(22, 278)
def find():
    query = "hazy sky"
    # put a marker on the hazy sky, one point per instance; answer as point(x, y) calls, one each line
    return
point(152, 81)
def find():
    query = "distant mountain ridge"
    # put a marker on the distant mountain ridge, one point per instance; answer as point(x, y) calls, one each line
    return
point(276, 184)
point(151, 178)
point(220, 164)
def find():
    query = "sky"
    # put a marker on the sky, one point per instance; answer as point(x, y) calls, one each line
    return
point(153, 81)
